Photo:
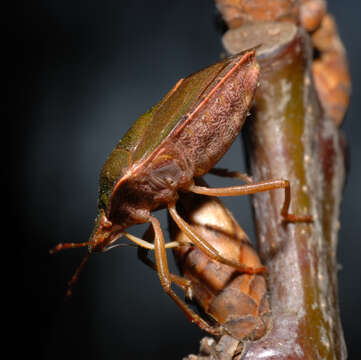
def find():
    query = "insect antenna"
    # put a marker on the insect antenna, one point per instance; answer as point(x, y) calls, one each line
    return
point(118, 245)
point(75, 277)
point(64, 246)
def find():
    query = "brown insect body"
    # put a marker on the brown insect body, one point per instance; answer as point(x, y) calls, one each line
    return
point(144, 174)
point(181, 137)
point(233, 299)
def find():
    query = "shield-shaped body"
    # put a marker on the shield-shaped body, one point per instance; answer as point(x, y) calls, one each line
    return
point(181, 137)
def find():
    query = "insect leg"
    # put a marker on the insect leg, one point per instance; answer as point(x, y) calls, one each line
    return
point(206, 247)
point(142, 252)
point(166, 281)
point(182, 282)
point(253, 188)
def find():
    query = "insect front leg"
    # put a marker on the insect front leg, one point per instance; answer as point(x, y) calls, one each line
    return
point(142, 253)
point(166, 280)
point(182, 282)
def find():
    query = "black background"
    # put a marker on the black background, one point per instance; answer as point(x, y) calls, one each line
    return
point(78, 74)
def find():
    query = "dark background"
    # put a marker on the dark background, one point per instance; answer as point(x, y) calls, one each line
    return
point(78, 75)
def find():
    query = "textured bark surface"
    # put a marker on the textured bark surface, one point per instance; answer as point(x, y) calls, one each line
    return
point(312, 13)
point(240, 12)
point(291, 136)
point(330, 70)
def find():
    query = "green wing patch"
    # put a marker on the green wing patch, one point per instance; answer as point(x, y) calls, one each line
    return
point(172, 111)
point(155, 125)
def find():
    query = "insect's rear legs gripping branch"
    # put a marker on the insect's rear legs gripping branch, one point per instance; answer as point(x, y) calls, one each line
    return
point(252, 188)
point(166, 280)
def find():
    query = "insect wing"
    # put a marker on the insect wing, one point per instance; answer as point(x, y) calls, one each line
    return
point(180, 105)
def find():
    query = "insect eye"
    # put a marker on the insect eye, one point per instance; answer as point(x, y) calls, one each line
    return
point(169, 180)
point(105, 222)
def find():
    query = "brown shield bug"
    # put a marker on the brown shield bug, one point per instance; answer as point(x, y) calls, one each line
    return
point(178, 139)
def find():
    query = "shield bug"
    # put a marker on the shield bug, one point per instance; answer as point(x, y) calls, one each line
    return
point(181, 137)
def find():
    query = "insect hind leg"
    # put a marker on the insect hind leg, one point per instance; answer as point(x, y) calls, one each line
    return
point(252, 188)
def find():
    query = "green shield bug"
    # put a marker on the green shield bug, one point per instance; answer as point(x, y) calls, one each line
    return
point(178, 139)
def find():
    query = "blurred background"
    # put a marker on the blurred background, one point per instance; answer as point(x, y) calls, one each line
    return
point(79, 73)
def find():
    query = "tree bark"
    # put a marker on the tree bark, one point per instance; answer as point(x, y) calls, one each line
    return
point(290, 137)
